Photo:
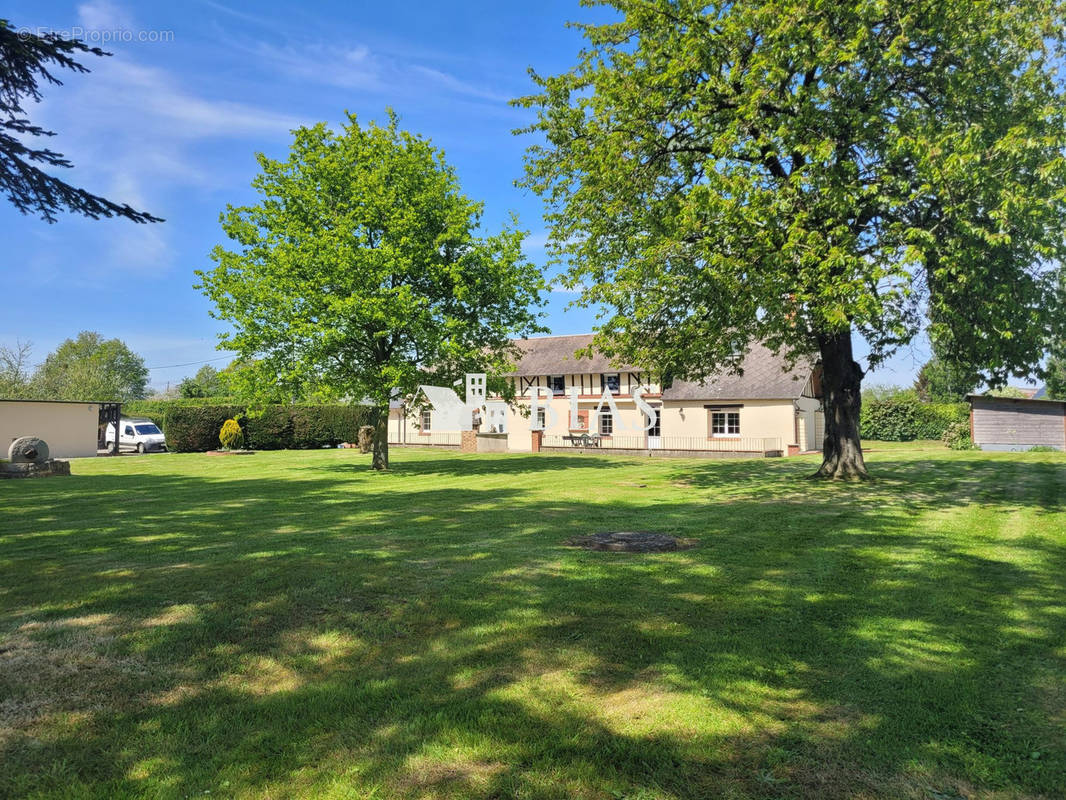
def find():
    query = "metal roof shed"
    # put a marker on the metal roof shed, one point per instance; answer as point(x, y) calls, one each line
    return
point(1014, 424)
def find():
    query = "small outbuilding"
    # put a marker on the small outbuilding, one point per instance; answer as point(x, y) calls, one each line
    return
point(71, 429)
point(1015, 423)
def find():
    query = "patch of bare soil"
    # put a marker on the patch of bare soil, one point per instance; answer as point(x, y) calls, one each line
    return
point(632, 542)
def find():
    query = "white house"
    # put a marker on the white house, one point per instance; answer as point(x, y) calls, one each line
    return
point(770, 407)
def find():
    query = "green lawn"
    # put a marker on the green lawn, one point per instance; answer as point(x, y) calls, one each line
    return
point(293, 625)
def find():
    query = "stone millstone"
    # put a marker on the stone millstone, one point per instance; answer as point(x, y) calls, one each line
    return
point(28, 450)
point(632, 542)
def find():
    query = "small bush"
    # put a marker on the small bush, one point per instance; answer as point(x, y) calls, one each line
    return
point(231, 436)
point(366, 438)
point(1042, 448)
point(957, 436)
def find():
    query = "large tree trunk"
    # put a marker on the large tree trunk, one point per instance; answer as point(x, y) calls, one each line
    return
point(379, 458)
point(841, 402)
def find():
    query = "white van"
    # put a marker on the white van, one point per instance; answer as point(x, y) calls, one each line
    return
point(141, 435)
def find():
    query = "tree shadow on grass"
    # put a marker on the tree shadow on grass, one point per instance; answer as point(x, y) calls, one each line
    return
point(469, 465)
point(295, 636)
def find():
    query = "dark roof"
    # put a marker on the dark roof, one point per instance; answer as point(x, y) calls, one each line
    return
point(997, 398)
point(68, 402)
point(765, 374)
point(554, 355)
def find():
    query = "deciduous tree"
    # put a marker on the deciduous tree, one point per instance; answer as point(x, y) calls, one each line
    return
point(90, 367)
point(207, 382)
point(796, 172)
point(362, 266)
point(943, 379)
point(15, 371)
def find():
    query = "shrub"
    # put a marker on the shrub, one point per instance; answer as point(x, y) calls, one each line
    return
point(903, 418)
point(366, 438)
point(1042, 448)
point(195, 428)
point(270, 428)
point(231, 436)
point(957, 436)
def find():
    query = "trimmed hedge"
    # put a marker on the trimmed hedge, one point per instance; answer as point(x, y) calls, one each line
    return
point(191, 429)
point(903, 419)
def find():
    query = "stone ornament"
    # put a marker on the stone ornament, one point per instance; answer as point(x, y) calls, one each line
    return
point(27, 457)
point(28, 450)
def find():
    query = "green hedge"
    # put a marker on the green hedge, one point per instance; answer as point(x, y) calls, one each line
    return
point(903, 419)
point(191, 428)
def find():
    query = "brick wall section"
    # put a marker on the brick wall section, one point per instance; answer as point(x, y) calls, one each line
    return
point(468, 441)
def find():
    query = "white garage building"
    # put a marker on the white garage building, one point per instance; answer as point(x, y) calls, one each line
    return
point(69, 428)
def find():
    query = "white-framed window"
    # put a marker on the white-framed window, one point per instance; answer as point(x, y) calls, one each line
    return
point(557, 383)
point(426, 422)
point(656, 428)
point(725, 423)
point(541, 419)
point(612, 382)
point(606, 423)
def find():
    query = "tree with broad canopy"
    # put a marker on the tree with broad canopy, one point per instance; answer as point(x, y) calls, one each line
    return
point(360, 270)
point(798, 171)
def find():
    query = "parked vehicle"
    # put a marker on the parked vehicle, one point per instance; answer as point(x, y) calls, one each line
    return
point(141, 435)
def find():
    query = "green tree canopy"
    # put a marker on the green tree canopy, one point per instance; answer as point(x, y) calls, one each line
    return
point(792, 171)
point(90, 367)
point(944, 379)
point(1055, 370)
point(207, 382)
point(15, 371)
point(361, 267)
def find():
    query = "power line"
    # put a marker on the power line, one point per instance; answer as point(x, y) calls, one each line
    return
point(191, 363)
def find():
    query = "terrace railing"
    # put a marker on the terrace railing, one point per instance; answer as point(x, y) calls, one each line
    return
point(443, 439)
point(723, 444)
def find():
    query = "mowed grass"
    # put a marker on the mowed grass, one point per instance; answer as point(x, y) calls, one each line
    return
point(294, 625)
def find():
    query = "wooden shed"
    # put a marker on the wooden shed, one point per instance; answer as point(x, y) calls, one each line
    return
point(1013, 424)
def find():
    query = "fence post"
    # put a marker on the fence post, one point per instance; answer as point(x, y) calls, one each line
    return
point(468, 441)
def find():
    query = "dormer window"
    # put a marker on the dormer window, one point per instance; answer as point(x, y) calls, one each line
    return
point(612, 382)
point(557, 383)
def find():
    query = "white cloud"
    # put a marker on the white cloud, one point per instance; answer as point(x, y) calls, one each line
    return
point(102, 15)
point(360, 67)
point(133, 133)
point(535, 242)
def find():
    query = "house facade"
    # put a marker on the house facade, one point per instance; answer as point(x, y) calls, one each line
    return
point(768, 408)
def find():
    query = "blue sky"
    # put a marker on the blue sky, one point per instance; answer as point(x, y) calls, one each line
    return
point(172, 127)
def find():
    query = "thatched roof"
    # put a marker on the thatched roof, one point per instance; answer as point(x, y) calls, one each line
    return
point(765, 376)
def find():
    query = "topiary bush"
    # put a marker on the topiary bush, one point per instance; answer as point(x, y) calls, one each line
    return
point(231, 436)
point(194, 429)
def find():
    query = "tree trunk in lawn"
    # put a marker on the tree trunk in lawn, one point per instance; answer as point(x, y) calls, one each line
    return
point(379, 418)
point(841, 403)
